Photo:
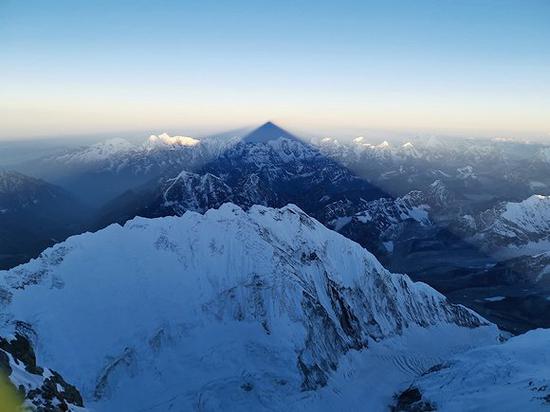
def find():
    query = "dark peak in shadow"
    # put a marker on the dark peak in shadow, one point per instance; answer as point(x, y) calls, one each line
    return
point(266, 132)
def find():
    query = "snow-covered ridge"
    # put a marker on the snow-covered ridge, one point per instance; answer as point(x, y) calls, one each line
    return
point(164, 138)
point(198, 193)
point(116, 152)
point(531, 215)
point(18, 192)
point(385, 213)
point(427, 149)
point(98, 152)
point(512, 228)
point(508, 377)
point(13, 182)
point(272, 152)
point(231, 309)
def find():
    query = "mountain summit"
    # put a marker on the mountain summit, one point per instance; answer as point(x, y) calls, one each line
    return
point(266, 132)
point(235, 310)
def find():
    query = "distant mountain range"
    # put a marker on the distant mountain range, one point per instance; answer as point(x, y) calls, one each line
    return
point(411, 203)
point(238, 275)
point(268, 167)
point(104, 170)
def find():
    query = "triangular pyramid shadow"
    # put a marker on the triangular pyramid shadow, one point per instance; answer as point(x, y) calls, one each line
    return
point(266, 132)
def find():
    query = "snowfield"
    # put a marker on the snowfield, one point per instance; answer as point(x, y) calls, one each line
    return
point(232, 310)
point(513, 376)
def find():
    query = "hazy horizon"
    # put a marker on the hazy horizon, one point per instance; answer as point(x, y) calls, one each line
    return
point(371, 135)
point(469, 68)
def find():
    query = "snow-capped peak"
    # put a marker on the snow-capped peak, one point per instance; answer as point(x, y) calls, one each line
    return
point(231, 308)
point(359, 139)
point(109, 147)
point(408, 149)
point(166, 139)
point(99, 151)
point(532, 214)
point(513, 228)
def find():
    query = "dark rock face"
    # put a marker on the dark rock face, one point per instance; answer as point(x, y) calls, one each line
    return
point(46, 395)
point(5, 367)
point(53, 395)
point(410, 400)
point(348, 321)
point(21, 349)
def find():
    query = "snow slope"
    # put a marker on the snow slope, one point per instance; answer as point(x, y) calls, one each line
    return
point(507, 377)
point(98, 152)
point(385, 213)
point(513, 228)
point(531, 215)
point(191, 191)
point(233, 310)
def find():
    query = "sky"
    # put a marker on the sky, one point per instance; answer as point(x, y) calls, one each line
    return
point(429, 66)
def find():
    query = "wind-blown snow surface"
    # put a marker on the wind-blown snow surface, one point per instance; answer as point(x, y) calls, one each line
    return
point(231, 310)
point(513, 376)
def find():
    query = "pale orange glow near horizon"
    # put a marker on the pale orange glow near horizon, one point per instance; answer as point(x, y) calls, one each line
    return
point(30, 121)
point(462, 68)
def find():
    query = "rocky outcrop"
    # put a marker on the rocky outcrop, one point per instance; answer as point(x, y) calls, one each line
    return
point(38, 389)
point(410, 400)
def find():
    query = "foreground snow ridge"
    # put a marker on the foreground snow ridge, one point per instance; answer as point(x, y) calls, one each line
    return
point(508, 377)
point(230, 310)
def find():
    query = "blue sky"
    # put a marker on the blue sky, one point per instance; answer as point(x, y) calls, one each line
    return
point(462, 67)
